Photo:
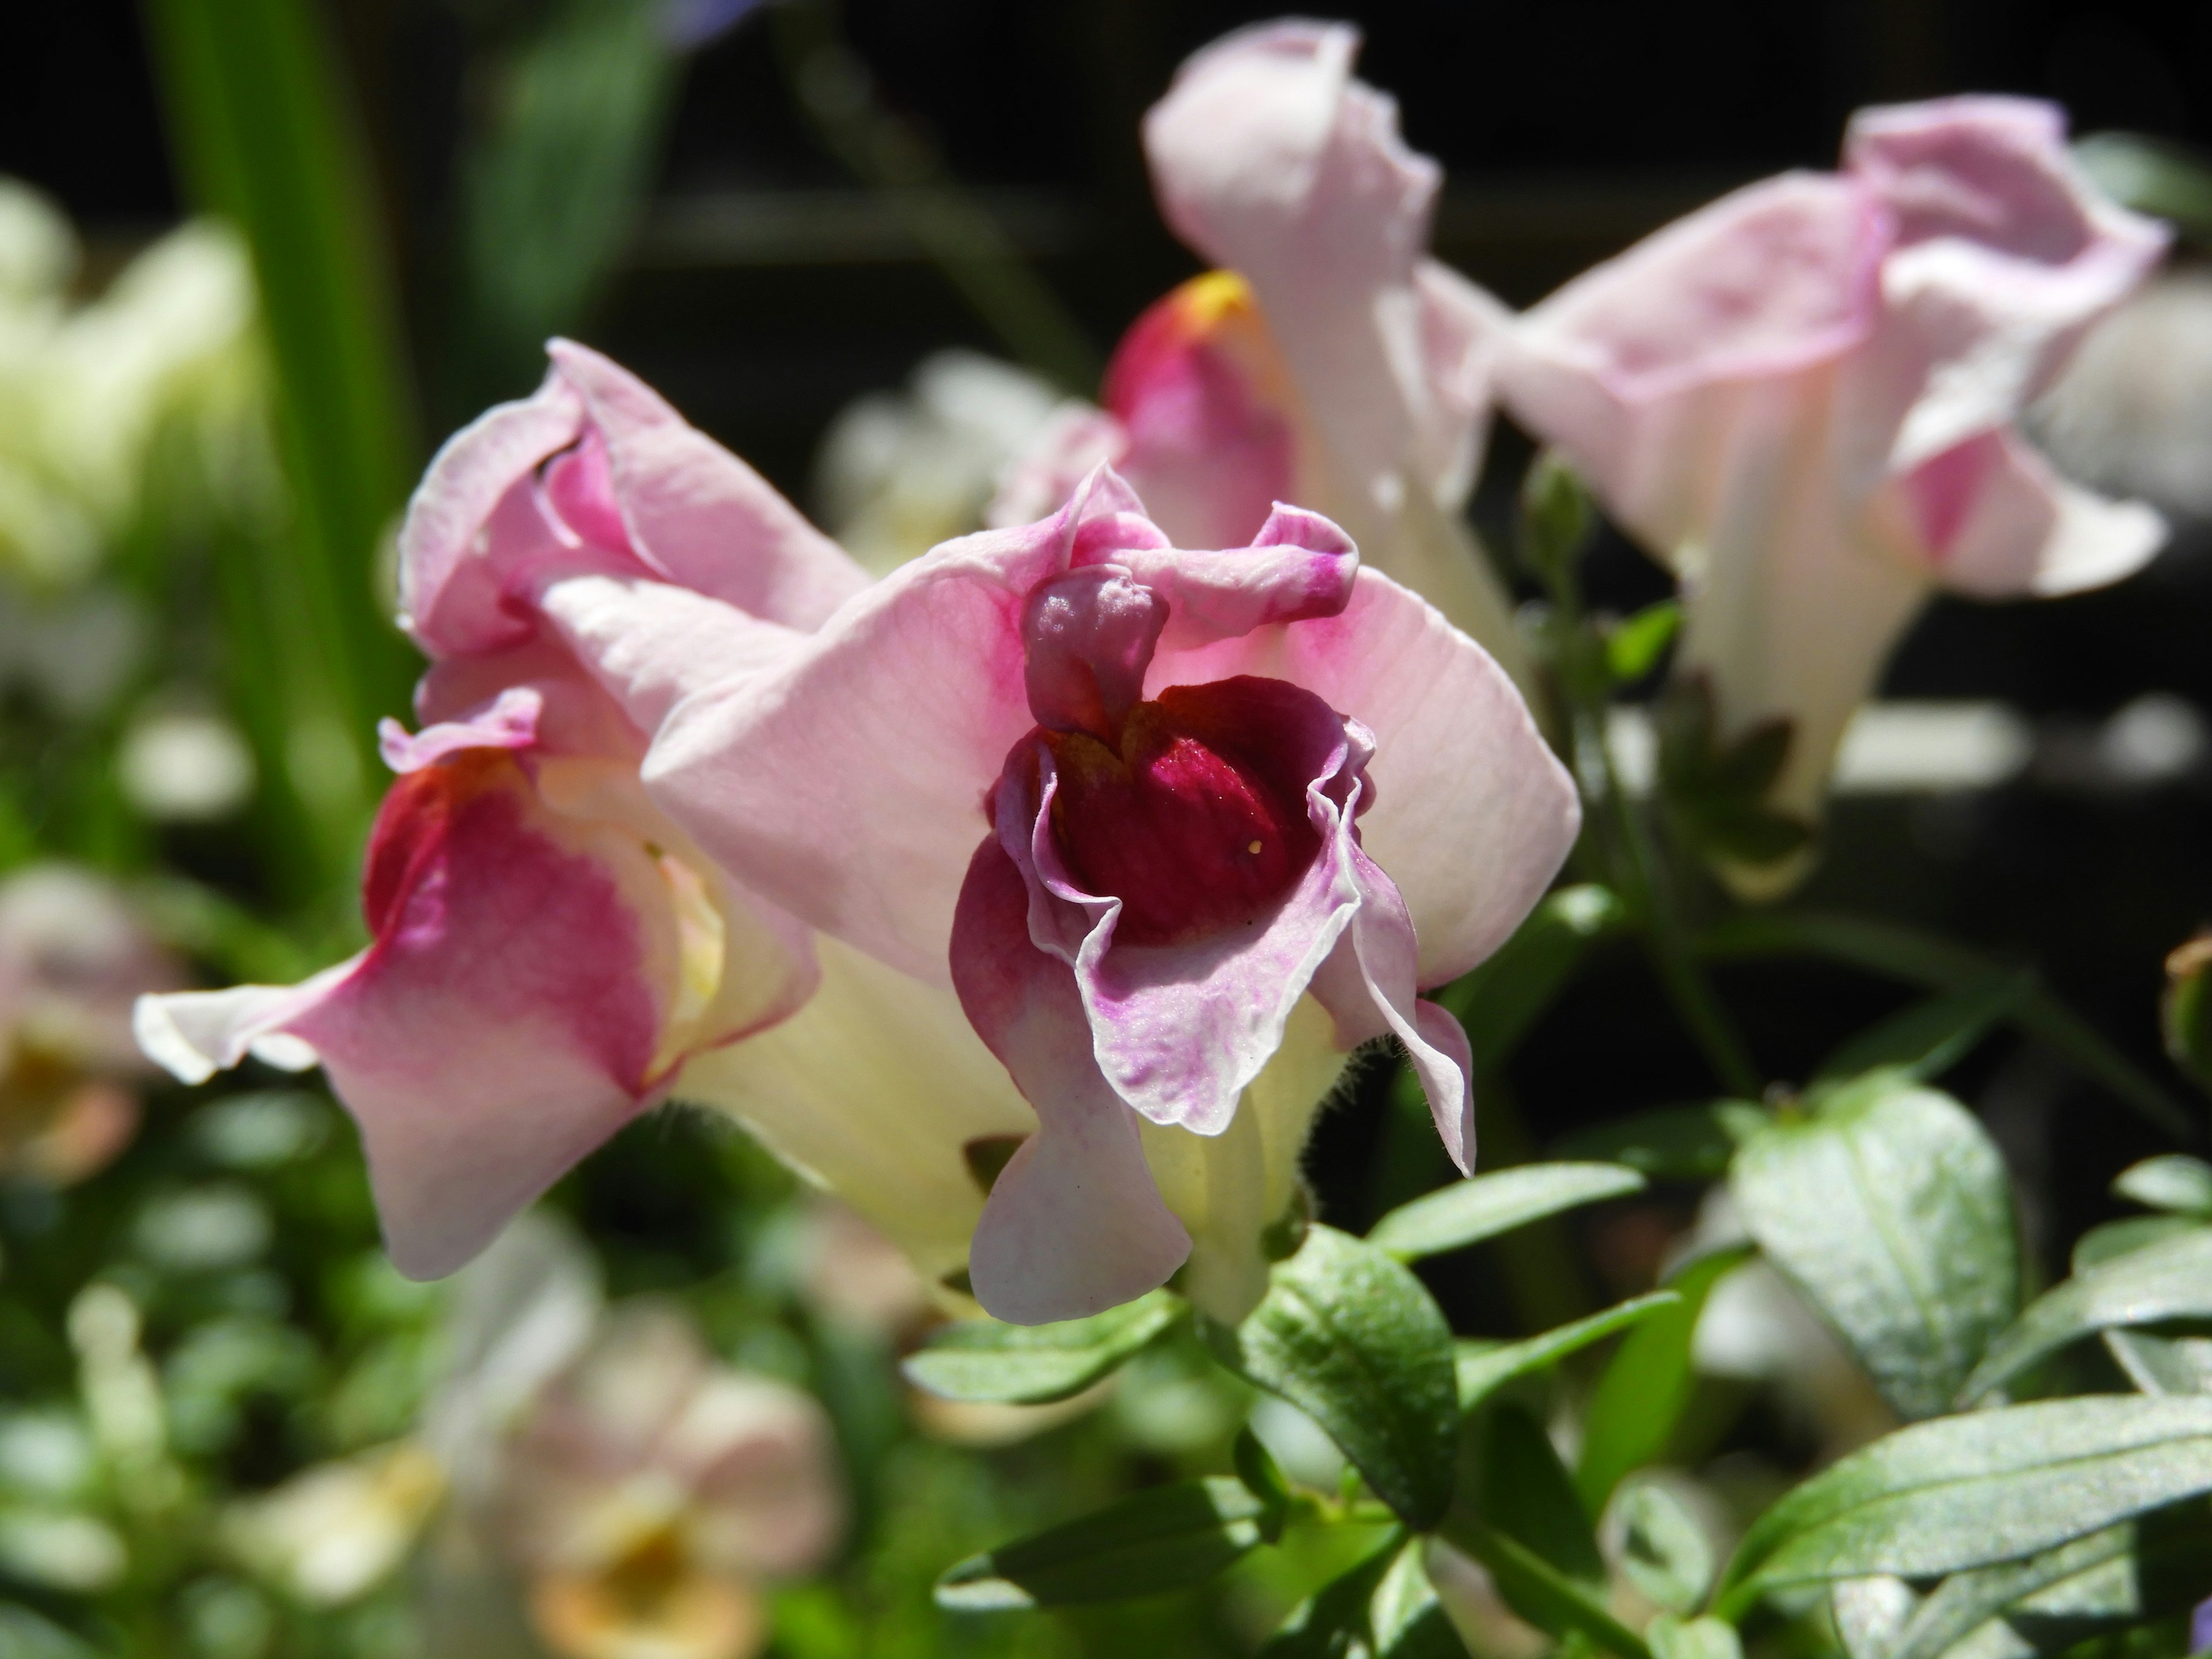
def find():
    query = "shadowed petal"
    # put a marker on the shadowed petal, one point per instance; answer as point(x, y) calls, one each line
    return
point(1074, 1223)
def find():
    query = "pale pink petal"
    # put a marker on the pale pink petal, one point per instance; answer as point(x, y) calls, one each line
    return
point(576, 715)
point(1471, 814)
point(1637, 369)
point(1269, 158)
point(192, 1035)
point(1368, 987)
point(652, 643)
point(511, 722)
point(449, 600)
point(1074, 1223)
point(1996, 522)
point(2005, 254)
point(1299, 566)
point(1088, 638)
point(698, 513)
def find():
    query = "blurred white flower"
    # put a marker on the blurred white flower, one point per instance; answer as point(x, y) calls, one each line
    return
point(73, 959)
point(184, 766)
point(899, 472)
point(86, 390)
point(651, 1489)
point(74, 650)
point(334, 1532)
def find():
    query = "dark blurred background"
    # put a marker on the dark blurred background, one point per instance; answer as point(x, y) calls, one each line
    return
point(764, 285)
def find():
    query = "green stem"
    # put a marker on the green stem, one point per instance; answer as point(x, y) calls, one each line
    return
point(1636, 875)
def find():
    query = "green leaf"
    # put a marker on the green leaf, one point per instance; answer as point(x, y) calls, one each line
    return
point(1926, 1040)
point(1167, 1538)
point(1348, 1335)
point(1973, 1490)
point(2172, 1181)
point(1500, 1000)
point(1256, 1468)
point(1536, 1590)
point(2102, 1242)
point(1382, 1608)
point(1517, 1484)
point(1633, 647)
point(1890, 1210)
point(1640, 1397)
point(264, 124)
point(1468, 1212)
point(2163, 1363)
point(1032, 1365)
point(1692, 1638)
point(1664, 1552)
point(552, 184)
point(1483, 1370)
point(2172, 1279)
point(1919, 958)
point(1678, 1143)
point(2122, 1572)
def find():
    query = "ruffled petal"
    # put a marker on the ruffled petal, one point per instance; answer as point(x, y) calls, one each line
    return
point(1471, 814)
point(1180, 1029)
point(847, 783)
point(696, 513)
point(450, 595)
point(1074, 1223)
point(2005, 253)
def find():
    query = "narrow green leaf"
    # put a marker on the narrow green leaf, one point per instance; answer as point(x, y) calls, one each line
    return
point(1348, 1335)
point(1335, 1622)
point(1890, 1210)
point(1500, 1000)
point(1639, 1400)
point(1919, 958)
point(1521, 1489)
point(1537, 1590)
point(268, 139)
point(2163, 1363)
point(2172, 1279)
point(2172, 1181)
point(1032, 1365)
point(1664, 1551)
point(2129, 1233)
point(1256, 1468)
point(1692, 1638)
point(1633, 647)
point(1468, 1212)
point(1678, 1143)
point(1483, 1369)
point(1382, 1608)
point(1973, 1490)
point(1168, 1539)
point(2124, 1572)
point(1928, 1038)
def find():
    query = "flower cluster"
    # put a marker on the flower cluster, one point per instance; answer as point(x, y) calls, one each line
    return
point(1033, 895)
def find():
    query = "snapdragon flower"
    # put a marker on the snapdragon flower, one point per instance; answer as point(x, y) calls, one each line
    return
point(1136, 804)
point(549, 950)
point(1802, 399)
point(1329, 361)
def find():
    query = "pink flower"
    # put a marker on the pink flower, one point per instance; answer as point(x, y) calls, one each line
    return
point(1330, 362)
point(1137, 804)
point(548, 948)
point(1802, 399)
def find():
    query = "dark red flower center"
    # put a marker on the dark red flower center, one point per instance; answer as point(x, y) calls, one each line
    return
point(1190, 823)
